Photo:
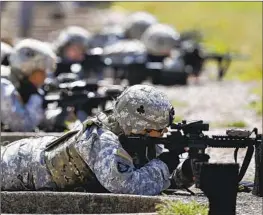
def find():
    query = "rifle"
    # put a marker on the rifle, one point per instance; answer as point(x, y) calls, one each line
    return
point(67, 82)
point(81, 96)
point(83, 69)
point(191, 135)
point(223, 61)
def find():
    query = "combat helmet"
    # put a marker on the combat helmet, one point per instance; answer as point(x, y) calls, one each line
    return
point(137, 23)
point(30, 55)
point(71, 35)
point(143, 107)
point(160, 39)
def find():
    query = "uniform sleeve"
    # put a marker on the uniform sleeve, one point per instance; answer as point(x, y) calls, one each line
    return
point(15, 114)
point(114, 169)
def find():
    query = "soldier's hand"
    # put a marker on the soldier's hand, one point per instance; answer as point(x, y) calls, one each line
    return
point(171, 159)
point(183, 176)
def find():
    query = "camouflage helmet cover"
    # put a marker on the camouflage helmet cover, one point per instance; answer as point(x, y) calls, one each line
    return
point(142, 107)
point(160, 39)
point(72, 34)
point(137, 23)
point(30, 55)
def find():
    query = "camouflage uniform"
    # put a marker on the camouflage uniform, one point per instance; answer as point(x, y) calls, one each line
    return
point(15, 114)
point(92, 153)
point(24, 112)
point(111, 164)
point(23, 167)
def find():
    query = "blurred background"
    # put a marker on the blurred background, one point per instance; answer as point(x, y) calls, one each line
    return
point(236, 101)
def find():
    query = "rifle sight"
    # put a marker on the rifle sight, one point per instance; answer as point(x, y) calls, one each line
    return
point(194, 127)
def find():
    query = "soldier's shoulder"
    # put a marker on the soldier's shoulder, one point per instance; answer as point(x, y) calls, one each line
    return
point(5, 71)
point(108, 135)
point(7, 85)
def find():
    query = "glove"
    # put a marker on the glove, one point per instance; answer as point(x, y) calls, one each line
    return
point(183, 176)
point(171, 159)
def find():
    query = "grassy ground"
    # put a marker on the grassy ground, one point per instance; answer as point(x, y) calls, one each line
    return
point(235, 26)
point(180, 208)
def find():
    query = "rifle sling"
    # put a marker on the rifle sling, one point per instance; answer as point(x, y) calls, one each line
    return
point(246, 161)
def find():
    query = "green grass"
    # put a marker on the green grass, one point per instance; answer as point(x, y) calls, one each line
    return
point(176, 103)
point(234, 26)
point(179, 208)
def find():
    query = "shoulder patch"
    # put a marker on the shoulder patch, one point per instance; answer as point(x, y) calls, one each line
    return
point(122, 153)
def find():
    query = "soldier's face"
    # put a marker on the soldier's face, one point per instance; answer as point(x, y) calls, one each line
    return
point(38, 77)
point(74, 52)
point(155, 133)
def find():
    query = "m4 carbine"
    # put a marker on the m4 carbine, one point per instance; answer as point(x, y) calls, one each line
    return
point(81, 96)
point(191, 135)
point(195, 55)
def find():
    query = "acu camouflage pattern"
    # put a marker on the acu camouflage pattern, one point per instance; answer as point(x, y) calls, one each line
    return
point(110, 163)
point(108, 121)
point(142, 107)
point(23, 166)
point(65, 163)
point(95, 153)
point(160, 39)
point(115, 170)
point(137, 23)
point(30, 55)
point(16, 115)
